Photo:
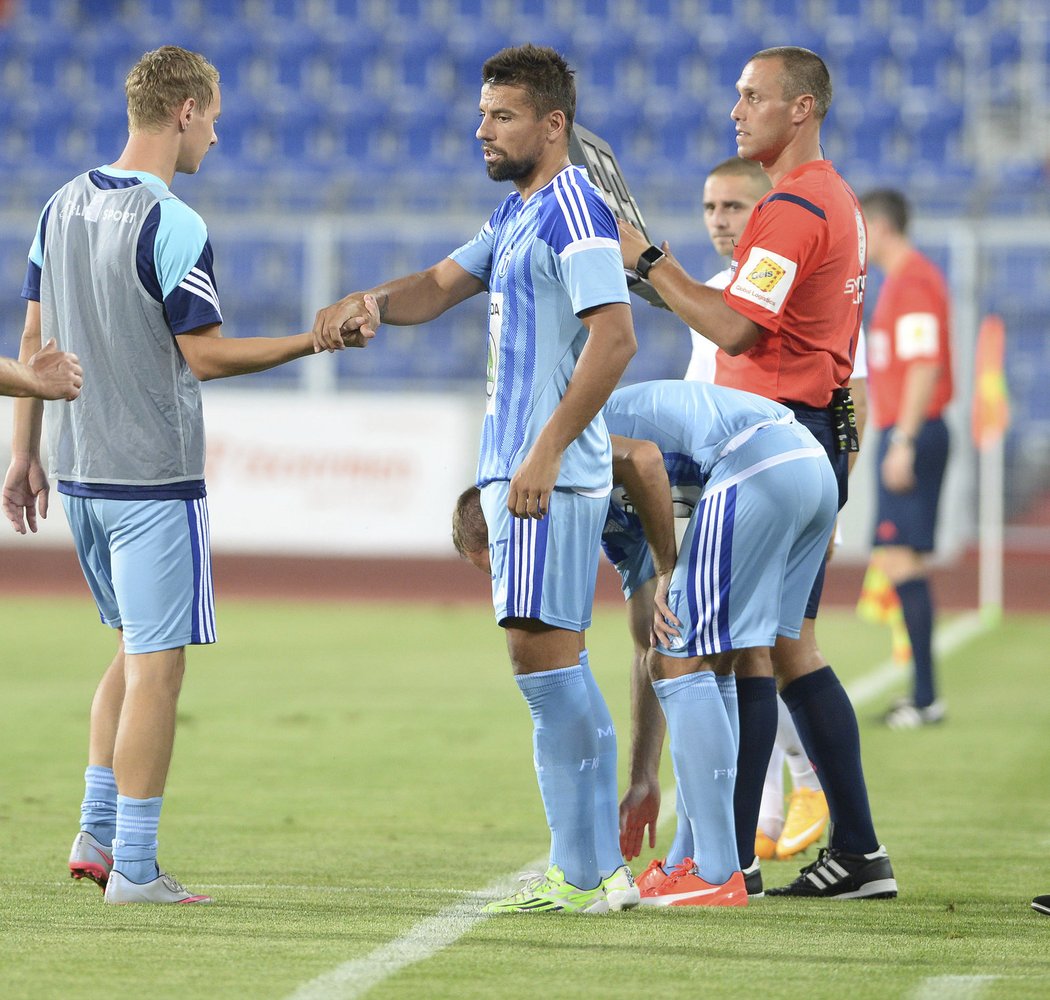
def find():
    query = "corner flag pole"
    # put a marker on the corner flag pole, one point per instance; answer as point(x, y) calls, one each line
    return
point(990, 419)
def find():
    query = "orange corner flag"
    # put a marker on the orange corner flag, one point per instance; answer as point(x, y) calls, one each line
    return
point(991, 399)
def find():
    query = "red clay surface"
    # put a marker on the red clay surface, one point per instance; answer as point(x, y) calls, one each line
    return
point(27, 569)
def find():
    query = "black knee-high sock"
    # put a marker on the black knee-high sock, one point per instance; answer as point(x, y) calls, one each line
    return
point(827, 726)
point(917, 605)
point(757, 705)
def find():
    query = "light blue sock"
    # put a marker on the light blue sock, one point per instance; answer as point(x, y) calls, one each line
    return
point(705, 763)
point(135, 844)
point(566, 757)
point(606, 790)
point(98, 811)
point(727, 689)
point(682, 845)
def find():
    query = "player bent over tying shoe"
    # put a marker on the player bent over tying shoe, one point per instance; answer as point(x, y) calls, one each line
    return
point(754, 543)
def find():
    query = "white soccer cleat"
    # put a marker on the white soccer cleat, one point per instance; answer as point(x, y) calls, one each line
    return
point(163, 889)
point(621, 891)
point(90, 858)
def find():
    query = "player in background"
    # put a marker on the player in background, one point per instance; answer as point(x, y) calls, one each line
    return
point(910, 366)
point(47, 374)
point(120, 272)
point(560, 335)
point(787, 325)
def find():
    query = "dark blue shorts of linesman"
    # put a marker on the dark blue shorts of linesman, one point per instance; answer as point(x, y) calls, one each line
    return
point(910, 519)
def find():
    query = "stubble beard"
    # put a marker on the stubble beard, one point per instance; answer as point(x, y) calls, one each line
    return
point(510, 170)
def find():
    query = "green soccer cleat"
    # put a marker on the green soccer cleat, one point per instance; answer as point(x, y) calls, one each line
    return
point(550, 893)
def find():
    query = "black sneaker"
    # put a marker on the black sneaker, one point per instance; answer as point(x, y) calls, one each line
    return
point(753, 880)
point(1041, 904)
point(838, 875)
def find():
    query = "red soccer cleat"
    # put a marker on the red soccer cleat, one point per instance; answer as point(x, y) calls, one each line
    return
point(684, 887)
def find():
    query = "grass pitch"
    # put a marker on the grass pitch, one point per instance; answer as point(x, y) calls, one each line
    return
point(345, 777)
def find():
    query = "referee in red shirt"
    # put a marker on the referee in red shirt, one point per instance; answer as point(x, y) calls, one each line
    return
point(787, 328)
point(910, 378)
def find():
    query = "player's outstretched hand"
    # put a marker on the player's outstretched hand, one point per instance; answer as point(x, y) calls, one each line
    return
point(330, 322)
point(58, 373)
point(359, 330)
point(639, 808)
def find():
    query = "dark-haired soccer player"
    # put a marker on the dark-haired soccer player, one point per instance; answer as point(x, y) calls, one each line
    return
point(787, 325)
point(560, 335)
point(121, 273)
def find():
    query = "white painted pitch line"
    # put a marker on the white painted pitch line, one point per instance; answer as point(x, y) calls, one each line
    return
point(355, 977)
point(948, 638)
point(954, 987)
point(427, 938)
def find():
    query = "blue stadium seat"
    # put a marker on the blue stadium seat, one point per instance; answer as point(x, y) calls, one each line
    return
point(858, 68)
point(937, 137)
point(728, 56)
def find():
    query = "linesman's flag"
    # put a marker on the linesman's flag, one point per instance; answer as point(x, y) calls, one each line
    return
point(991, 400)
point(879, 603)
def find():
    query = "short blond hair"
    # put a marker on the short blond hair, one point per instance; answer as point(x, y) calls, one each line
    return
point(161, 81)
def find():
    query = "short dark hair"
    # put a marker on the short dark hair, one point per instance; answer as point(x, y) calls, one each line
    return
point(470, 532)
point(889, 205)
point(541, 73)
point(804, 73)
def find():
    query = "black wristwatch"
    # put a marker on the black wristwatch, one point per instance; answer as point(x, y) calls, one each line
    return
point(650, 256)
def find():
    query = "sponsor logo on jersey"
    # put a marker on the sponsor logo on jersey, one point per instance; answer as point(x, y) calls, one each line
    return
point(764, 278)
point(766, 275)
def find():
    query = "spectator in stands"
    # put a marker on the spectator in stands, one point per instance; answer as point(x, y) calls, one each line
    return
point(910, 364)
point(121, 272)
point(560, 336)
point(788, 324)
point(47, 374)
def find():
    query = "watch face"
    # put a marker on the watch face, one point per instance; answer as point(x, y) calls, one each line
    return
point(649, 257)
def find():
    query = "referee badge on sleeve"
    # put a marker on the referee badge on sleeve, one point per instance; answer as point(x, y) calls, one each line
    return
point(765, 278)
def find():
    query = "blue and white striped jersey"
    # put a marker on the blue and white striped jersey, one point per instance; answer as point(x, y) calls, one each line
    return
point(545, 261)
point(694, 424)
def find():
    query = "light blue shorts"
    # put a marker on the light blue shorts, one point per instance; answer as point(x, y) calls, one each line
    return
point(544, 569)
point(754, 544)
point(148, 564)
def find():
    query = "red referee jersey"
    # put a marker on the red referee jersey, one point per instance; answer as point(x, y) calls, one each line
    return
point(799, 272)
point(909, 324)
